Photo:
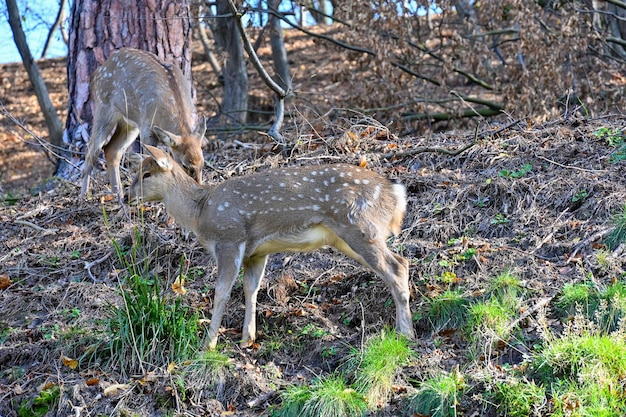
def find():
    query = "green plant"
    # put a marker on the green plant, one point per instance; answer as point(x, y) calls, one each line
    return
point(581, 195)
point(447, 310)
point(148, 328)
point(314, 330)
point(585, 368)
point(378, 365)
point(525, 169)
point(490, 321)
point(325, 397)
point(41, 404)
point(519, 398)
point(580, 294)
point(9, 199)
point(208, 373)
point(618, 235)
point(499, 219)
point(572, 399)
point(507, 288)
point(438, 396)
point(613, 136)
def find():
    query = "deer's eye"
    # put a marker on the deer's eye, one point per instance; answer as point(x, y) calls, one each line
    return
point(146, 175)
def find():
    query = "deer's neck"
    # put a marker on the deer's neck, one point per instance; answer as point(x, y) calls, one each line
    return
point(186, 200)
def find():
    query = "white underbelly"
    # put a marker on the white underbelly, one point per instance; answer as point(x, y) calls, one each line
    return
point(304, 241)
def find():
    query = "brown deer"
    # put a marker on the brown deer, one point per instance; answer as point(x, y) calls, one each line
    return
point(243, 220)
point(135, 93)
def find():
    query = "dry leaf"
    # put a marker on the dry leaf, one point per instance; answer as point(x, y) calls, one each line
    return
point(115, 389)
point(179, 285)
point(149, 377)
point(92, 381)
point(362, 161)
point(170, 367)
point(69, 362)
point(5, 281)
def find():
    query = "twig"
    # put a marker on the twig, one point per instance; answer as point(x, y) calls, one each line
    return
point(88, 265)
point(423, 149)
point(592, 238)
point(36, 227)
point(540, 304)
point(597, 171)
point(255, 402)
point(499, 130)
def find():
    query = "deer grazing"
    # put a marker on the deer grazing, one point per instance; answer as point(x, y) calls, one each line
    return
point(135, 93)
point(243, 220)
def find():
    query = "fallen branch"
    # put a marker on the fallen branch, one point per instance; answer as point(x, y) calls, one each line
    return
point(36, 227)
point(424, 149)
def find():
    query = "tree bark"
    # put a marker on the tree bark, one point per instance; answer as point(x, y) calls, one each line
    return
point(97, 28)
point(55, 129)
point(279, 53)
point(235, 99)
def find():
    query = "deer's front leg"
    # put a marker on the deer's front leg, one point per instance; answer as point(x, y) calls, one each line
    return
point(254, 269)
point(229, 257)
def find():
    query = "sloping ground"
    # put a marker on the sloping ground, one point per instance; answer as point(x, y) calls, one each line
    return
point(534, 200)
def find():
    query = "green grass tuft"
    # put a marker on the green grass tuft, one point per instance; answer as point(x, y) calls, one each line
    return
point(489, 321)
point(325, 397)
point(517, 398)
point(448, 310)
point(381, 361)
point(438, 396)
point(149, 330)
point(618, 235)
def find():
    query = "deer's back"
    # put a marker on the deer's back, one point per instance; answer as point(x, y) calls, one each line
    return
point(283, 200)
point(139, 86)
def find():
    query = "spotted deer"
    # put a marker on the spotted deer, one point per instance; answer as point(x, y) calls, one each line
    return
point(243, 220)
point(135, 93)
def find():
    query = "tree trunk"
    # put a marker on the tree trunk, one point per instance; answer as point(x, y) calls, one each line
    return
point(56, 25)
point(97, 28)
point(55, 129)
point(235, 99)
point(279, 53)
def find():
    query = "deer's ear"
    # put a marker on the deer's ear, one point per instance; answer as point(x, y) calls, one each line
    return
point(166, 138)
point(161, 157)
point(200, 129)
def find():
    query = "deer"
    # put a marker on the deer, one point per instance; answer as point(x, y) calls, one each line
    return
point(137, 94)
point(244, 219)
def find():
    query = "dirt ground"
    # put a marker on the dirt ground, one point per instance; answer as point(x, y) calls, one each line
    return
point(533, 199)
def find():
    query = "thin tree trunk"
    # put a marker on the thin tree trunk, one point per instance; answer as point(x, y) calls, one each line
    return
point(55, 26)
point(55, 129)
point(279, 53)
point(235, 99)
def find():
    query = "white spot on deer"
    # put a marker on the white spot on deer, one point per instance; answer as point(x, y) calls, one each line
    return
point(357, 181)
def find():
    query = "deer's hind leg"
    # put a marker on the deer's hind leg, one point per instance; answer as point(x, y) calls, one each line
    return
point(125, 133)
point(392, 268)
point(254, 269)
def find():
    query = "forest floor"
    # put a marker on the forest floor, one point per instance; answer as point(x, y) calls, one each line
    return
point(535, 200)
